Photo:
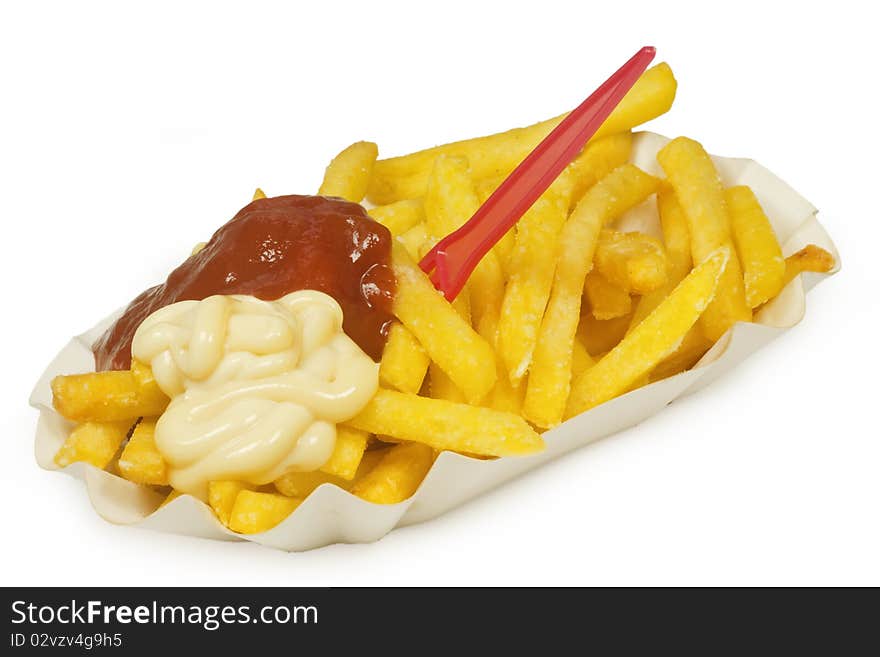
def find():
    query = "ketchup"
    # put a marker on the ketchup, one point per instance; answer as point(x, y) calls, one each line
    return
point(272, 247)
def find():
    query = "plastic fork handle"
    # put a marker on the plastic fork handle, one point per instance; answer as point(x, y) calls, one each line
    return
point(455, 256)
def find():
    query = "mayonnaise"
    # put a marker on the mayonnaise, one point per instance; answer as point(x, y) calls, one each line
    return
point(256, 387)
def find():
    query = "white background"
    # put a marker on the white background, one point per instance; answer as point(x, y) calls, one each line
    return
point(130, 134)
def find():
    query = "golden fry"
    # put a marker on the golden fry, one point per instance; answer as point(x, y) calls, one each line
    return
point(93, 442)
point(222, 496)
point(348, 174)
point(450, 341)
point(503, 396)
point(487, 186)
point(599, 158)
point(446, 425)
point(676, 234)
point(450, 198)
point(404, 361)
point(680, 261)
point(407, 176)
point(550, 374)
point(607, 300)
point(347, 454)
point(141, 461)
point(399, 217)
point(600, 336)
point(106, 397)
point(692, 347)
point(504, 249)
point(698, 188)
point(634, 261)
point(450, 201)
point(301, 484)
point(650, 97)
point(415, 241)
point(652, 340)
point(462, 305)
point(397, 475)
point(677, 241)
point(581, 360)
point(809, 258)
point(486, 287)
point(506, 397)
point(258, 194)
point(441, 386)
point(756, 245)
point(492, 156)
point(255, 512)
point(528, 287)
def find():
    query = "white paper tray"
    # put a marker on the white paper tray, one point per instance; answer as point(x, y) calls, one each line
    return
point(331, 515)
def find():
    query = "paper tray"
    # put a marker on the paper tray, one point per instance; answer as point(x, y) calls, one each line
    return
point(331, 515)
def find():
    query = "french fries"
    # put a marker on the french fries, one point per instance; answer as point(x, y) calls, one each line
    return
point(634, 261)
point(677, 242)
point(106, 397)
point(698, 188)
point(563, 314)
point(397, 475)
point(450, 341)
point(222, 496)
point(809, 258)
point(258, 194)
point(407, 176)
point(414, 240)
point(440, 386)
point(486, 287)
point(504, 396)
point(93, 442)
point(462, 305)
point(600, 336)
point(652, 340)
point(404, 361)
point(676, 234)
point(450, 201)
point(599, 158)
point(347, 453)
point(348, 174)
point(581, 360)
point(450, 197)
point(243, 509)
point(692, 347)
point(446, 425)
point(606, 299)
point(141, 461)
point(528, 287)
point(255, 512)
point(399, 217)
point(756, 244)
point(550, 376)
point(301, 484)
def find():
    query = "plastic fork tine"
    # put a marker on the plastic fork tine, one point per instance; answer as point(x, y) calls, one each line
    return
point(455, 256)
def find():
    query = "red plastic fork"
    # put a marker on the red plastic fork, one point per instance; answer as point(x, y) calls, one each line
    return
point(455, 256)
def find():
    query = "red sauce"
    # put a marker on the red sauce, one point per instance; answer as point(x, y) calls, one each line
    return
point(273, 247)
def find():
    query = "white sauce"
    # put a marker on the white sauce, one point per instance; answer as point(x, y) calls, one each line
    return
point(256, 387)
